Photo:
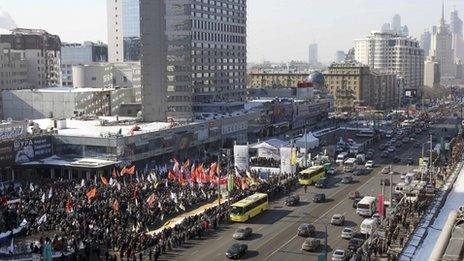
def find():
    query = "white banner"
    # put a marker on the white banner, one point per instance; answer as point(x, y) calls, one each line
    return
point(241, 157)
point(286, 160)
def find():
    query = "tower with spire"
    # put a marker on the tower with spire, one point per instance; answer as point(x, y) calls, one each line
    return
point(442, 47)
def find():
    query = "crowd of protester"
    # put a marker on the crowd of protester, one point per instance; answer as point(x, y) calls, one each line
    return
point(114, 214)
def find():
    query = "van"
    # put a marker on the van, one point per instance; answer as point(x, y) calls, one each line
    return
point(341, 157)
point(368, 226)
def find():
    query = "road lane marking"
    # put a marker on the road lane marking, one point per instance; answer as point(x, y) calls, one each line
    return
point(194, 252)
point(323, 215)
point(260, 228)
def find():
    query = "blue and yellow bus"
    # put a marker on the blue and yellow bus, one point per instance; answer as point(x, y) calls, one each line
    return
point(311, 175)
point(249, 207)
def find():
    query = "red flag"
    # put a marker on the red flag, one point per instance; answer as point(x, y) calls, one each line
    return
point(104, 181)
point(69, 206)
point(213, 169)
point(237, 182)
point(171, 175)
point(380, 204)
point(113, 174)
point(245, 184)
point(91, 193)
point(4, 201)
point(223, 180)
point(115, 205)
point(182, 180)
point(151, 200)
point(123, 171)
point(131, 170)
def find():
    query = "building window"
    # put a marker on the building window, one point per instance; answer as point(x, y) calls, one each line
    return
point(94, 78)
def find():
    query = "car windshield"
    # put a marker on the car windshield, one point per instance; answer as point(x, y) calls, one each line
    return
point(363, 206)
point(234, 247)
point(240, 230)
point(339, 253)
point(347, 230)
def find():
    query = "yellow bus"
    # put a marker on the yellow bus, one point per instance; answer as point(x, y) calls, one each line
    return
point(249, 207)
point(311, 175)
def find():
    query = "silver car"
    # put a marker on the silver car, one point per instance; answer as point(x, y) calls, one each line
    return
point(311, 244)
point(242, 233)
point(337, 219)
point(347, 233)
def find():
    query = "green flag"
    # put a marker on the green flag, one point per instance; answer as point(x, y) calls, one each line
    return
point(230, 183)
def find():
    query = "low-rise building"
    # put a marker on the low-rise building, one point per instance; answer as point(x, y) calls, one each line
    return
point(354, 85)
point(107, 75)
point(275, 79)
point(431, 72)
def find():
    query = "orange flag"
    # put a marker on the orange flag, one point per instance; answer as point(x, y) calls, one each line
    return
point(104, 181)
point(123, 171)
point(131, 170)
point(91, 193)
point(116, 205)
point(113, 174)
point(187, 164)
point(151, 200)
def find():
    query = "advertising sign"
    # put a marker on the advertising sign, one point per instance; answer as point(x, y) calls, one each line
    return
point(31, 149)
point(6, 153)
point(241, 157)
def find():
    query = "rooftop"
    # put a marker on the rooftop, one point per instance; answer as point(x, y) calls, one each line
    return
point(63, 89)
point(73, 162)
point(111, 127)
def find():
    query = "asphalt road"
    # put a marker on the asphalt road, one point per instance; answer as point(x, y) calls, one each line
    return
point(274, 232)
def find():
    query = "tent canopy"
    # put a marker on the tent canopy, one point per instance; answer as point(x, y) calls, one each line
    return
point(308, 141)
point(270, 148)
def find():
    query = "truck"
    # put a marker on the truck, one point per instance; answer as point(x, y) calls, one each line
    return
point(368, 226)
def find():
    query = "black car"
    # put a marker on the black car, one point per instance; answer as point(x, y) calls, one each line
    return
point(319, 198)
point(306, 230)
point(355, 202)
point(322, 183)
point(236, 250)
point(292, 200)
point(355, 243)
point(347, 180)
point(385, 182)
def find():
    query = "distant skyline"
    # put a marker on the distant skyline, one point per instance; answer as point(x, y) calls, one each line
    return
point(277, 30)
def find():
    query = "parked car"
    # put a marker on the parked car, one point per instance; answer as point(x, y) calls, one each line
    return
point(339, 255)
point(242, 233)
point(311, 244)
point(237, 250)
point(391, 149)
point(347, 233)
point(306, 230)
point(319, 198)
point(386, 170)
point(337, 219)
point(331, 172)
point(355, 202)
point(347, 180)
point(292, 200)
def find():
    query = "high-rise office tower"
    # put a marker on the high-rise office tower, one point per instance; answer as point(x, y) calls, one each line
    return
point(442, 48)
point(456, 31)
point(425, 41)
point(396, 24)
point(393, 53)
point(340, 56)
point(193, 57)
point(123, 17)
point(312, 56)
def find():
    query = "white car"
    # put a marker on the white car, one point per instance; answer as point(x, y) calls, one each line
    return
point(347, 233)
point(337, 219)
point(369, 164)
point(338, 255)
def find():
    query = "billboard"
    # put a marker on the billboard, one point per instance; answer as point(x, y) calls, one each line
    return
point(27, 150)
point(241, 157)
point(410, 93)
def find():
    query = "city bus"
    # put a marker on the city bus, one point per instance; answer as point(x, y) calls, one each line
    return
point(249, 207)
point(311, 175)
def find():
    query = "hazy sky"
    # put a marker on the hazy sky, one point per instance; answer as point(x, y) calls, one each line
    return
point(278, 30)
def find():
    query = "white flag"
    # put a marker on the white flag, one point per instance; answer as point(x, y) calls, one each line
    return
point(136, 202)
point(42, 219)
point(50, 192)
point(111, 181)
point(31, 187)
point(23, 223)
point(43, 198)
point(159, 205)
point(20, 191)
point(82, 182)
point(182, 207)
point(119, 186)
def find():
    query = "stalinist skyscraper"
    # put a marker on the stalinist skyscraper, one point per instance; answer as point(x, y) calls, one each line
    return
point(442, 49)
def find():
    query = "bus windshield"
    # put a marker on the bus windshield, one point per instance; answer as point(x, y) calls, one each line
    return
point(304, 175)
point(363, 206)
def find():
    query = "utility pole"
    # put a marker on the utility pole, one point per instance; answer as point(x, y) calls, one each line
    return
point(306, 149)
point(325, 242)
point(391, 191)
point(219, 177)
point(430, 160)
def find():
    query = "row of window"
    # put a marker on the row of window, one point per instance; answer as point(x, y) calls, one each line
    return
point(214, 26)
point(221, 18)
point(218, 37)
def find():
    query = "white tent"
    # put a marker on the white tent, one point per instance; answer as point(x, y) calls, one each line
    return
point(270, 148)
point(308, 141)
